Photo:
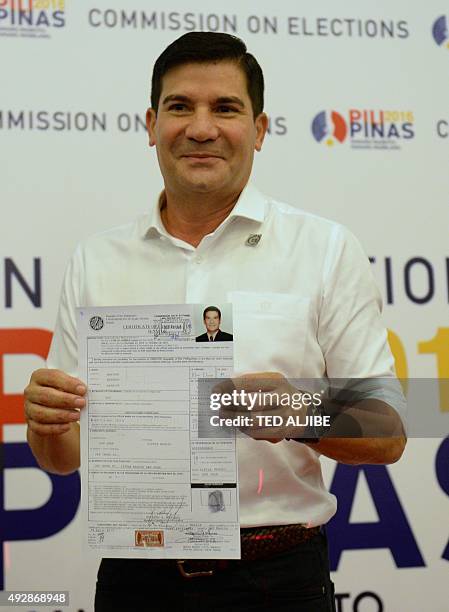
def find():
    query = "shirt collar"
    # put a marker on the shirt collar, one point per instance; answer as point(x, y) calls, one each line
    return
point(152, 222)
point(251, 204)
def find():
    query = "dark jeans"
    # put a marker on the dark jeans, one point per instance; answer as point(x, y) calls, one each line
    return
point(297, 580)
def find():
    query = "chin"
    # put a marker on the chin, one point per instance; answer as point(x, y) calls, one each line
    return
point(202, 183)
point(200, 187)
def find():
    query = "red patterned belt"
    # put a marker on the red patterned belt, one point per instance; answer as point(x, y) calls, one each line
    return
point(256, 543)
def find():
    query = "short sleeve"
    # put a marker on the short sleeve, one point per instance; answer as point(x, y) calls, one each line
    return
point(350, 332)
point(63, 353)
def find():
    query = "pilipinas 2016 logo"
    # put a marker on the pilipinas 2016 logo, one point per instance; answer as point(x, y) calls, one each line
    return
point(31, 18)
point(329, 127)
point(364, 129)
point(440, 31)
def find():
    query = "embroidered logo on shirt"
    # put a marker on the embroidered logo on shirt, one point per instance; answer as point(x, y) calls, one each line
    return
point(253, 239)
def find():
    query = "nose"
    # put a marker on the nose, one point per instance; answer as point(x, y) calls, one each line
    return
point(202, 126)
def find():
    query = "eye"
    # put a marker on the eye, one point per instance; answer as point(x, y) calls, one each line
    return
point(177, 107)
point(225, 108)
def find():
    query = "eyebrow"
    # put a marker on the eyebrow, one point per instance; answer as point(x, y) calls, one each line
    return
point(231, 100)
point(220, 100)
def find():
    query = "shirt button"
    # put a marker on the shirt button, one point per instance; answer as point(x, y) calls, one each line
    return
point(198, 260)
point(265, 306)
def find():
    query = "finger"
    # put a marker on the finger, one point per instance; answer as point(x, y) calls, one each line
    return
point(47, 396)
point(258, 381)
point(57, 379)
point(48, 430)
point(263, 433)
point(224, 386)
point(52, 416)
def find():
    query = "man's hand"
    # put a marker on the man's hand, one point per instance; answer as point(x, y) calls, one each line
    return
point(268, 416)
point(53, 400)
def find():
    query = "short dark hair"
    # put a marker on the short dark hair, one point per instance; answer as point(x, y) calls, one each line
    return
point(211, 309)
point(203, 47)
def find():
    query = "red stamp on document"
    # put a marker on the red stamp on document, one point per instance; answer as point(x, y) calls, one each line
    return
point(148, 538)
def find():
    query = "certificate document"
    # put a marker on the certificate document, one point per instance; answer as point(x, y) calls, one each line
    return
point(152, 487)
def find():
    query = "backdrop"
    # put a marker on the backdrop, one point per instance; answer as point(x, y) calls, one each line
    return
point(359, 124)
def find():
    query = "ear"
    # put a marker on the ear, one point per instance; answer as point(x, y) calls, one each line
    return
point(150, 120)
point(261, 124)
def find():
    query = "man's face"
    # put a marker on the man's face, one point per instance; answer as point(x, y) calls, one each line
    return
point(204, 131)
point(212, 321)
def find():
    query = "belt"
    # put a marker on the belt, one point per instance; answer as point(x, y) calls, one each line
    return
point(256, 543)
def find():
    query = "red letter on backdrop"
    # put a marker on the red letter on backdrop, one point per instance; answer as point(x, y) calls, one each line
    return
point(18, 342)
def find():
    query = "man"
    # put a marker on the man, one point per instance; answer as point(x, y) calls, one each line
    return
point(212, 320)
point(305, 282)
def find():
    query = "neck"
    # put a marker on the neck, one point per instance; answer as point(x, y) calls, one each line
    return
point(193, 217)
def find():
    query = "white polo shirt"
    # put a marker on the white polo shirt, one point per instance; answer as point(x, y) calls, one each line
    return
point(305, 305)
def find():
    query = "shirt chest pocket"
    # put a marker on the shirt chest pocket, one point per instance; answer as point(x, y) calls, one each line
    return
point(270, 331)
